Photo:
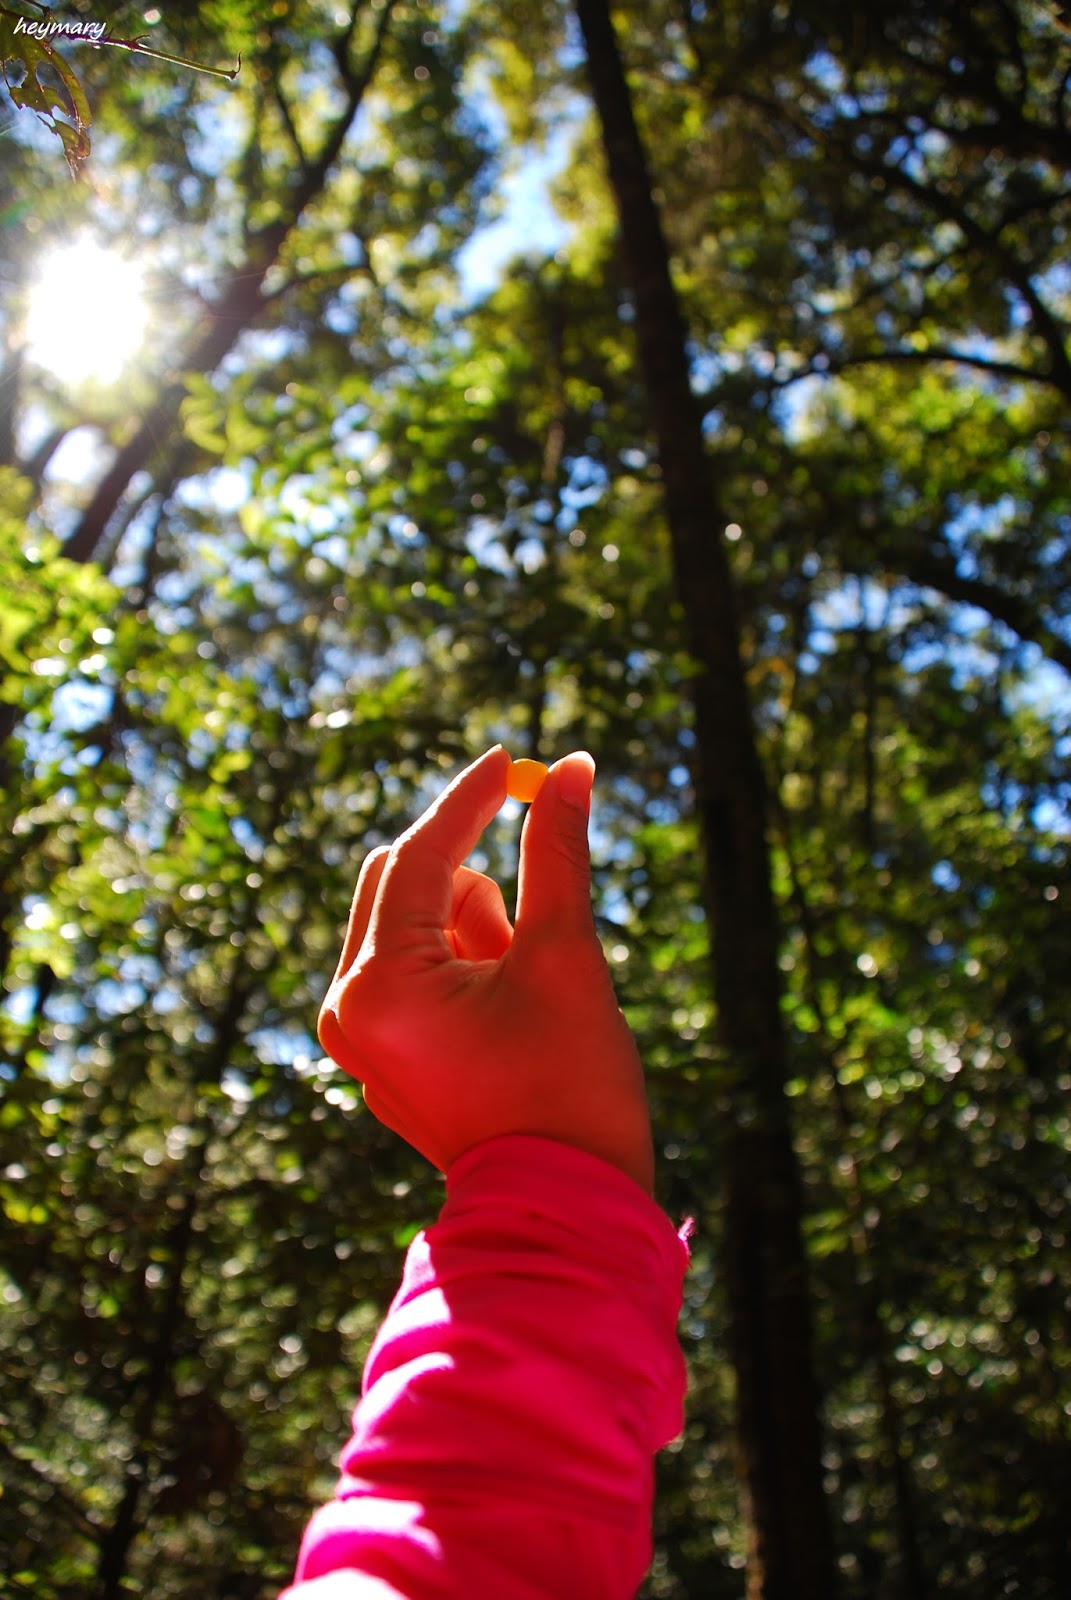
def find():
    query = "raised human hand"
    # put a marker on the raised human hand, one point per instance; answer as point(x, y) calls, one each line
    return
point(461, 1027)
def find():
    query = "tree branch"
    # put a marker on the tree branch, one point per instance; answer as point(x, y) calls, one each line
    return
point(239, 306)
point(1045, 324)
point(323, 277)
point(288, 123)
point(992, 365)
point(1017, 274)
point(930, 570)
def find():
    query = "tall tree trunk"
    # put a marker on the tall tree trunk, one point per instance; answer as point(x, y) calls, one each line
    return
point(790, 1547)
point(875, 1345)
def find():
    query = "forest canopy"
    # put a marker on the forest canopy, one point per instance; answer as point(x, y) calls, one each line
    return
point(741, 458)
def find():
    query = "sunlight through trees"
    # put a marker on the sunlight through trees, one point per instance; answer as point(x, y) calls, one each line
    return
point(751, 478)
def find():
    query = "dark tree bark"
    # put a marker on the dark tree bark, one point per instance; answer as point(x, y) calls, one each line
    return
point(910, 1577)
point(789, 1537)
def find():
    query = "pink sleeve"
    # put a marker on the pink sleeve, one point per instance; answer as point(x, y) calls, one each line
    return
point(525, 1375)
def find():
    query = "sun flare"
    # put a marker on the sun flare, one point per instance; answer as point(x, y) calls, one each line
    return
point(87, 314)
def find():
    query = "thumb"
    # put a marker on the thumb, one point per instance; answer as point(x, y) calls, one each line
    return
point(554, 880)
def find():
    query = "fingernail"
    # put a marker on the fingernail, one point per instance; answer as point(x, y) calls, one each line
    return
point(575, 779)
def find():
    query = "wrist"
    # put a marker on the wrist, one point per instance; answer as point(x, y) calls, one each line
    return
point(636, 1165)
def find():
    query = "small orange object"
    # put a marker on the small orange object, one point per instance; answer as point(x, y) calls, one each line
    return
point(525, 779)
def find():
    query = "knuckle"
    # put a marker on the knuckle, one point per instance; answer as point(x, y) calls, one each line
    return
point(571, 848)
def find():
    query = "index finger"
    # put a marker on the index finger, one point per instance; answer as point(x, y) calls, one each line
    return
point(416, 890)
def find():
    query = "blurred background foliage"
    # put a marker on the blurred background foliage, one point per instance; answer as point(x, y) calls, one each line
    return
point(352, 511)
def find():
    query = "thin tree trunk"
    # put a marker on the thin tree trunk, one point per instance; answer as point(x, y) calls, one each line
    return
point(118, 1539)
point(790, 1547)
point(911, 1579)
point(128, 1524)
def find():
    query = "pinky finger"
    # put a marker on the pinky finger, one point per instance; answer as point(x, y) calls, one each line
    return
point(333, 1041)
point(364, 898)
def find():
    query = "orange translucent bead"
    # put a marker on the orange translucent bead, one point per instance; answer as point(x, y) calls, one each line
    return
point(525, 779)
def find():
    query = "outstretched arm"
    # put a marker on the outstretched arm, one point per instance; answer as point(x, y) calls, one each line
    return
point(528, 1369)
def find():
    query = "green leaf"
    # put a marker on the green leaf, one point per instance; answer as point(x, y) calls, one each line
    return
point(62, 107)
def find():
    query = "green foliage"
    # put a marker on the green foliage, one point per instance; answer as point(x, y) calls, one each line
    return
point(380, 527)
point(24, 50)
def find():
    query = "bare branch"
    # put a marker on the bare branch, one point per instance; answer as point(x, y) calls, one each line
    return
point(288, 123)
point(964, 358)
point(139, 47)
